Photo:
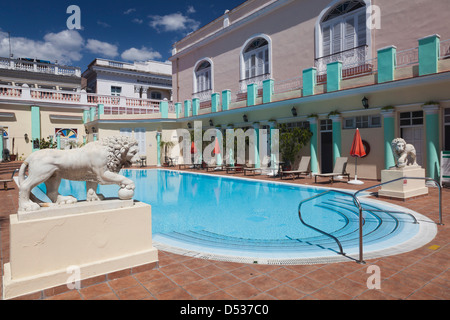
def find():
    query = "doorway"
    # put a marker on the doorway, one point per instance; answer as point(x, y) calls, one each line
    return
point(411, 130)
point(326, 146)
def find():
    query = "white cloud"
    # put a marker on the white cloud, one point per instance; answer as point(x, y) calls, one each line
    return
point(142, 54)
point(191, 9)
point(130, 11)
point(102, 48)
point(138, 21)
point(174, 22)
point(65, 46)
point(103, 24)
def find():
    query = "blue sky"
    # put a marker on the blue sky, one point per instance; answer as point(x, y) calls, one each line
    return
point(118, 30)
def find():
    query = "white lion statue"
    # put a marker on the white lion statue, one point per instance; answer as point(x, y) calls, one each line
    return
point(96, 163)
point(404, 154)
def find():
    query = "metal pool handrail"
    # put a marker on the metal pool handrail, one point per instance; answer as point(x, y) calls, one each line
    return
point(411, 178)
point(358, 204)
point(356, 201)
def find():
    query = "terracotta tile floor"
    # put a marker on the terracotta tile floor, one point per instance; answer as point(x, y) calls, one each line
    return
point(422, 274)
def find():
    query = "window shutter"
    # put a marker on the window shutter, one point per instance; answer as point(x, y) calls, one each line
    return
point(337, 40)
point(349, 38)
point(326, 49)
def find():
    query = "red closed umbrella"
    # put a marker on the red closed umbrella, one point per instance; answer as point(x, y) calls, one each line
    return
point(217, 147)
point(357, 151)
point(193, 148)
point(357, 146)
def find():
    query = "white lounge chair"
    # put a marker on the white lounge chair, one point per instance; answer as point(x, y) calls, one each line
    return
point(303, 168)
point(340, 168)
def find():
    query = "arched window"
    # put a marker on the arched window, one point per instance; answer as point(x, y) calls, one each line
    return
point(342, 32)
point(256, 58)
point(203, 77)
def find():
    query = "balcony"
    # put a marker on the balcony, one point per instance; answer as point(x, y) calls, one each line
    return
point(112, 105)
point(39, 67)
point(258, 80)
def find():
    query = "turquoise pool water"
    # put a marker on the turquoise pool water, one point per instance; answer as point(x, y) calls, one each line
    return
point(229, 216)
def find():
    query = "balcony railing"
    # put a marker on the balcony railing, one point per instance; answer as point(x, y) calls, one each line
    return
point(39, 67)
point(258, 80)
point(202, 95)
point(351, 57)
point(67, 96)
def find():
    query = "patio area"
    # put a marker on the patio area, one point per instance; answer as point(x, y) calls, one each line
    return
point(421, 274)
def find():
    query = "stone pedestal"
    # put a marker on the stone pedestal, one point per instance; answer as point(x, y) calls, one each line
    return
point(404, 188)
point(59, 247)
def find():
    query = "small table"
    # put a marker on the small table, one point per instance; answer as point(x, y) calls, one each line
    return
point(143, 161)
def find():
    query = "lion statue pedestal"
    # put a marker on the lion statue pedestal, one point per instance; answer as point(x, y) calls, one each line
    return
point(406, 167)
point(66, 242)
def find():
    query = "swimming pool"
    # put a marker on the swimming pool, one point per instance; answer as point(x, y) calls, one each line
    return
point(246, 220)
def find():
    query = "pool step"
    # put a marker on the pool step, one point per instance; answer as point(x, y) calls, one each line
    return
point(374, 230)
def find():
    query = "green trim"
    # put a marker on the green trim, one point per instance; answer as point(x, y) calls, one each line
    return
point(386, 64)
point(252, 92)
point(429, 55)
point(334, 76)
point(309, 81)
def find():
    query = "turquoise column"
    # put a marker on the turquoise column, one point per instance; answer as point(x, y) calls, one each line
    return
point(95, 136)
point(35, 126)
point(257, 159)
point(313, 127)
point(58, 142)
point(386, 64)
point(252, 92)
point(334, 76)
point(195, 106)
point(229, 141)
point(158, 149)
point(226, 100)
point(268, 90)
point(389, 136)
point(337, 137)
point(164, 107)
point(215, 102)
point(432, 140)
point(92, 113)
point(429, 54)
point(309, 81)
point(178, 109)
point(187, 108)
point(274, 145)
point(86, 118)
point(101, 110)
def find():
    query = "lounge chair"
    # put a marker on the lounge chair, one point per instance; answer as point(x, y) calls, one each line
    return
point(251, 169)
point(340, 168)
point(5, 181)
point(303, 168)
point(234, 168)
point(215, 167)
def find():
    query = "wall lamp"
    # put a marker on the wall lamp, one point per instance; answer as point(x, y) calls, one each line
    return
point(189, 125)
point(365, 103)
point(211, 123)
point(294, 111)
point(94, 129)
point(245, 118)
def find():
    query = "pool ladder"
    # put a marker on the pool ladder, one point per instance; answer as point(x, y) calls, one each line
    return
point(360, 208)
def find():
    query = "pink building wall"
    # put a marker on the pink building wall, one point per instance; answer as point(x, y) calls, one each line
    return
point(291, 26)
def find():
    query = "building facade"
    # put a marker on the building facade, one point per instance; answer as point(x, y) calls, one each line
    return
point(329, 65)
point(41, 100)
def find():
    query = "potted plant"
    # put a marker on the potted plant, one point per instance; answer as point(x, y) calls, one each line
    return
point(292, 140)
